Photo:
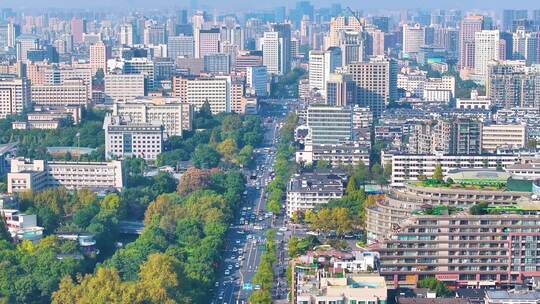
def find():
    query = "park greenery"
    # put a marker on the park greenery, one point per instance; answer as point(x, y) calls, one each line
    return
point(176, 257)
point(264, 277)
point(226, 139)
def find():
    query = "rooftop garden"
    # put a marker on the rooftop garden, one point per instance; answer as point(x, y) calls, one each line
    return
point(437, 210)
point(451, 184)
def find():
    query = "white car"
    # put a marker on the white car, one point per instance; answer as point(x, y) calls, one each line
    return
point(227, 272)
point(283, 229)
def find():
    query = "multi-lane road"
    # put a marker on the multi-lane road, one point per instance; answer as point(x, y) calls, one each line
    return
point(246, 237)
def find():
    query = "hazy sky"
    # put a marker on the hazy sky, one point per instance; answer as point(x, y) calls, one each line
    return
point(249, 4)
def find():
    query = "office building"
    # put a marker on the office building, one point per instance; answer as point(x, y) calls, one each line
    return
point(257, 80)
point(198, 90)
point(173, 115)
point(321, 65)
point(207, 42)
point(218, 63)
point(36, 175)
point(71, 92)
point(98, 57)
point(126, 34)
point(142, 66)
point(124, 138)
point(376, 82)
point(413, 39)
point(486, 49)
point(339, 24)
point(466, 138)
point(469, 26)
point(352, 47)
point(61, 74)
point(180, 46)
point(154, 34)
point(25, 43)
point(78, 28)
point(14, 96)
point(276, 46)
point(340, 90)
point(336, 155)
point(503, 135)
point(510, 16)
point(329, 124)
point(123, 87)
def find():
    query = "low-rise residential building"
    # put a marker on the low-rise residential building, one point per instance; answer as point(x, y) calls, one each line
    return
point(36, 175)
point(307, 190)
point(175, 116)
point(327, 276)
point(124, 138)
point(512, 296)
point(335, 155)
point(503, 135)
point(22, 226)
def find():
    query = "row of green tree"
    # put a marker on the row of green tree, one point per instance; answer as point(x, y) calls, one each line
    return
point(283, 166)
point(264, 277)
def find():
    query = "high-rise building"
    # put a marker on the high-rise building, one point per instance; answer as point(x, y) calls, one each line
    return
point(510, 16)
point(78, 28)
point(180, 46)
point(321, 65)
point(413, 38)
point(352, 46)
point(7, 35)
point(218, 63)
point(526, 46)
point(154, 34)
point(276, 46)
point(195, 92)
point(329, 124)
point(510, 84)
point(25, 43)
point(207, 42)
point(469, 26)
point(346, 22)
point(257, 79)
point(126, 34)
point(486, 49)
point(144, 66)
point(98, 57)
point(340, 90)
point(376, 81)
point(466, 137)
point(14, 96)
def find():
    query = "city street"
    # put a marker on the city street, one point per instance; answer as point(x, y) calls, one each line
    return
point(246, 238)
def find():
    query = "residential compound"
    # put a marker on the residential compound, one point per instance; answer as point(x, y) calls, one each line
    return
point(307, 190)
point(36, 175)
point(432, 229)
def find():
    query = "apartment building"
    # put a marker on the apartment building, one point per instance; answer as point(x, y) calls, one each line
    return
point(71, 92)
point(376, 82)
point(503, 135)
point(307, 190)
point(124, 138)
point(408, 167)
point(124, 87)
point(463, 250)
point(36, 175)
point(400, 203)
point(333, 276)
point(173, 115)
point(14, 96)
